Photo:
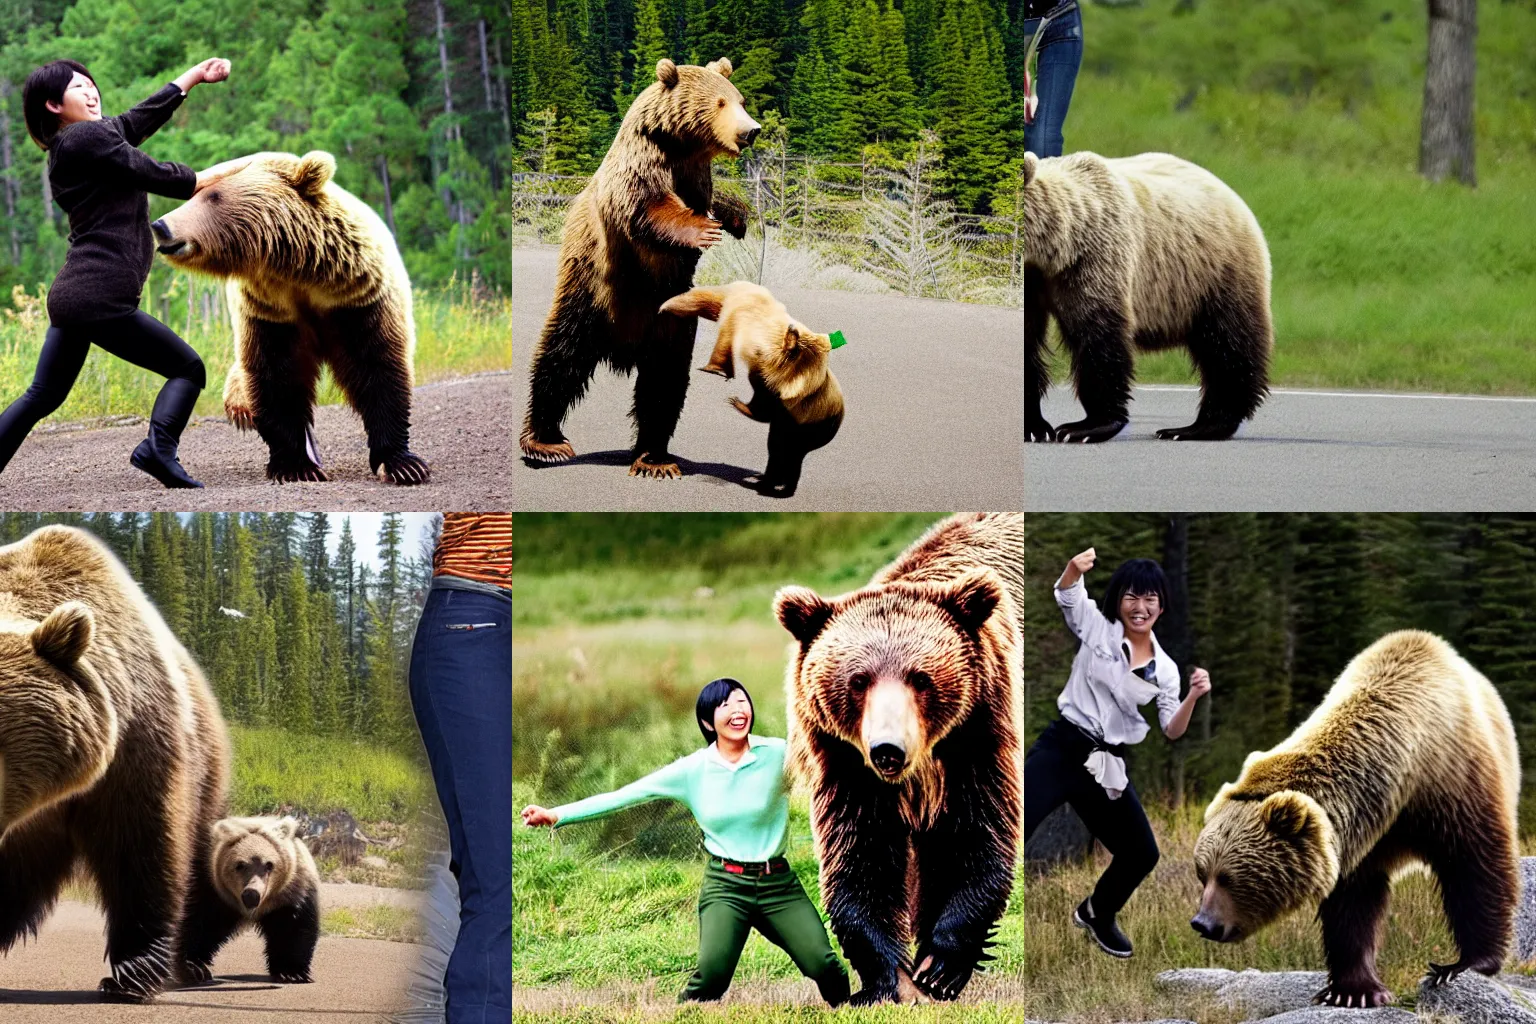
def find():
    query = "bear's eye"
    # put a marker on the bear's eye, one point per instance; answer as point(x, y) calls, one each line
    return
point(213, 197)
point(859, 682)
point(270, 865)
point(919, 681)
point(239, 865)
point(1223, 879)
point(1200, 873)
point(722, 102)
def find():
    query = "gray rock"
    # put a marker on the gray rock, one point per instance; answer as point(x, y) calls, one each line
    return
point(1479, 1000)
point(1337, 1015)
point(1525, 914)
point(1062, 836)
point(1256, 993)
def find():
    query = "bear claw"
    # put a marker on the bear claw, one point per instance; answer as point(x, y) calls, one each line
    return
point(1442, 974)
point(302, 473)
point(551, 452)
point(240, 416)
point(196, 974)
point(1372, 996)
point(405, 469)
point(643, 466)
point(292, 978)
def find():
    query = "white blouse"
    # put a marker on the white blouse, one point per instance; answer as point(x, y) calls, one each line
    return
point(1102, 695)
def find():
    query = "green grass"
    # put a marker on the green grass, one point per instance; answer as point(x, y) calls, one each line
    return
point(379, 921)
point(454, 337)
point(1310, 111)
point(273, 768)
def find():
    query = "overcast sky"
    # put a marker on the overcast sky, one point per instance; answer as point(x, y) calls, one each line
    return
point(365, 532)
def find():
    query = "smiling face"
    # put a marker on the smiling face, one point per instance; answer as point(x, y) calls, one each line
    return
point(1139, 613)
point(81, 102)
point(733, 719)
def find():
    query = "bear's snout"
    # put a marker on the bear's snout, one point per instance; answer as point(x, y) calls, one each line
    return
point(1210, 928)
point(161, 230)
point(250, 897)
point(888, 758)
point(168, 245)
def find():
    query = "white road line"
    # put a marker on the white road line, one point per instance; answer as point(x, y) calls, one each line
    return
point(1355, 394)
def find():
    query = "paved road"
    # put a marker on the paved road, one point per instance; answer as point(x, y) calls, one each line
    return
point(52, 979)
point(934, 393)
point(462, 427)
point(1314, 451)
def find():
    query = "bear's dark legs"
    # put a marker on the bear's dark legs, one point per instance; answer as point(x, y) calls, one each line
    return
point(1474, 859)
point(563, 364)
point(35, 861)
point(291, 933)
point(865, 884)
point(965, 878)
point(368, 359)
point(142, 889)
point(1037, 378)
point(1352, 916)
point(1229, 344)
point(788, 444)
point(281, 372)
point(661, 384)
point(207, 923)
point(1099, 340)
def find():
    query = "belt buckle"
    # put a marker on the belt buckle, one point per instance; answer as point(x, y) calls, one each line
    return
point(735, 869)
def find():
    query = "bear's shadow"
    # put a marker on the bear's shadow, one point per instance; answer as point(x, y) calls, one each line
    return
point(90, 996)
point(722, 471)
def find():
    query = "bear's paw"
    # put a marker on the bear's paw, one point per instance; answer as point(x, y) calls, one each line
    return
point(196, 974)
point(295, 472)
point(405, 468)
point(551, 451)
point(656, 470)
point(291, 977)
point(1363, 994)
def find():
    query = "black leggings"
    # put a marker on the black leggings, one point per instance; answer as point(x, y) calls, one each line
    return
point(1054, 775)
point(137, 338)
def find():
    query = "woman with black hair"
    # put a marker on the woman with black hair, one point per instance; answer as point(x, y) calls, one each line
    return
point(1080, 758)
point(736, 789)
point(100, 179)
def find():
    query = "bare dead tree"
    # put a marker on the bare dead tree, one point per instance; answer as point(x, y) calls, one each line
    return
point(1446, 140)
point(7, 160)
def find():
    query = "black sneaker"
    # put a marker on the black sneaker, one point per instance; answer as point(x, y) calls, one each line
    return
point(1104, 930)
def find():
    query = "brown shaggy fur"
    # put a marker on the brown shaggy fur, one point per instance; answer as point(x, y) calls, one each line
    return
point(314, 279)
point(1409, 760)
point(113, 756)
point(906, 718)
point(1146, 252)
point(793, 391)
point(265, 877)
point(632, 239)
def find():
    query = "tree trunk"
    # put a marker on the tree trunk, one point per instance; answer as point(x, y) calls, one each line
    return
point(389, 202)
point(1450, 75)
point(442, 58)
point(485, 70)
point(47, 194)
point(7, 160)
point(506, 92)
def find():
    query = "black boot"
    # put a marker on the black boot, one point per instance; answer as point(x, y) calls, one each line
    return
point(1103, 929)
point(156, 454)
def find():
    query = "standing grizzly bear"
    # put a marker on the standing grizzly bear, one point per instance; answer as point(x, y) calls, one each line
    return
point(265, 876)
point(314, 279)
point(632, 239)
point(907, 710)
point(792, 389)
point(1147, 252)
point(112, 754)
point(1410, 759)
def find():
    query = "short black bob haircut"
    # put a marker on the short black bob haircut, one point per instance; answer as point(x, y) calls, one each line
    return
point(1138, 576)
point(44, 85)
point(711, 697)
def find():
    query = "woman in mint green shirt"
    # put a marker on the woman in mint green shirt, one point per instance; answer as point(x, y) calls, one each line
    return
point(736, 789)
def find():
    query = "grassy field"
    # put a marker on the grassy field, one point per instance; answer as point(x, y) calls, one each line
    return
point(617, 623)
point(454, 337)
point(1067, 979)
point(1310, 111)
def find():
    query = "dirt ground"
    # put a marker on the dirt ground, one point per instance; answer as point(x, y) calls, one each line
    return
point(463, 428)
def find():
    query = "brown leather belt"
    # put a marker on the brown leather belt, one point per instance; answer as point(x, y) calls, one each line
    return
point(755, 867)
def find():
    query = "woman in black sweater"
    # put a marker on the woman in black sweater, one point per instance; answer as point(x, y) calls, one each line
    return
point(99, 178)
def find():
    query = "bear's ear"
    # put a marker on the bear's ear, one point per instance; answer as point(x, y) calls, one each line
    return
point(314, 170)
point(721, 67)
point(226, 829)
point(972, 598)
point(1290, 816)
point(286, 828)
point(64, 635)
point(802, 612)
point(704, 302)
point(1031, 164)
point(666, 72)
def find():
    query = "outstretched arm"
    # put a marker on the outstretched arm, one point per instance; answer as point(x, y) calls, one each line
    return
point(670, 782)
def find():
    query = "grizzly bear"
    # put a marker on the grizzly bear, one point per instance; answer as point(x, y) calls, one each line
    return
point(632, 239)
point(792, 389)
point(113, 754)
point(313, 279)
point(265, 877)
point(906, 715)
point(1147, 252)
point(1409, 760)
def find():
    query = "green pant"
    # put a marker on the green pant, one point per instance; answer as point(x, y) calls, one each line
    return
point(731, 905)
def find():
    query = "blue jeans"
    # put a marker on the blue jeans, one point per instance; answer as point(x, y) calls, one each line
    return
point(1060, 55)
point(461, 691)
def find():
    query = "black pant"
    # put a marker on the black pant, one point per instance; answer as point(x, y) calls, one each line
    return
point(1054, 775)
point(137, 338)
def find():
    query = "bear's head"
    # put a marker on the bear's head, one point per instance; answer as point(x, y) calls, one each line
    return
point(1260, 857)
point(253, 860)
point(266, 214)
point(892, 669)
point(698, 107)
point(58, 724)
